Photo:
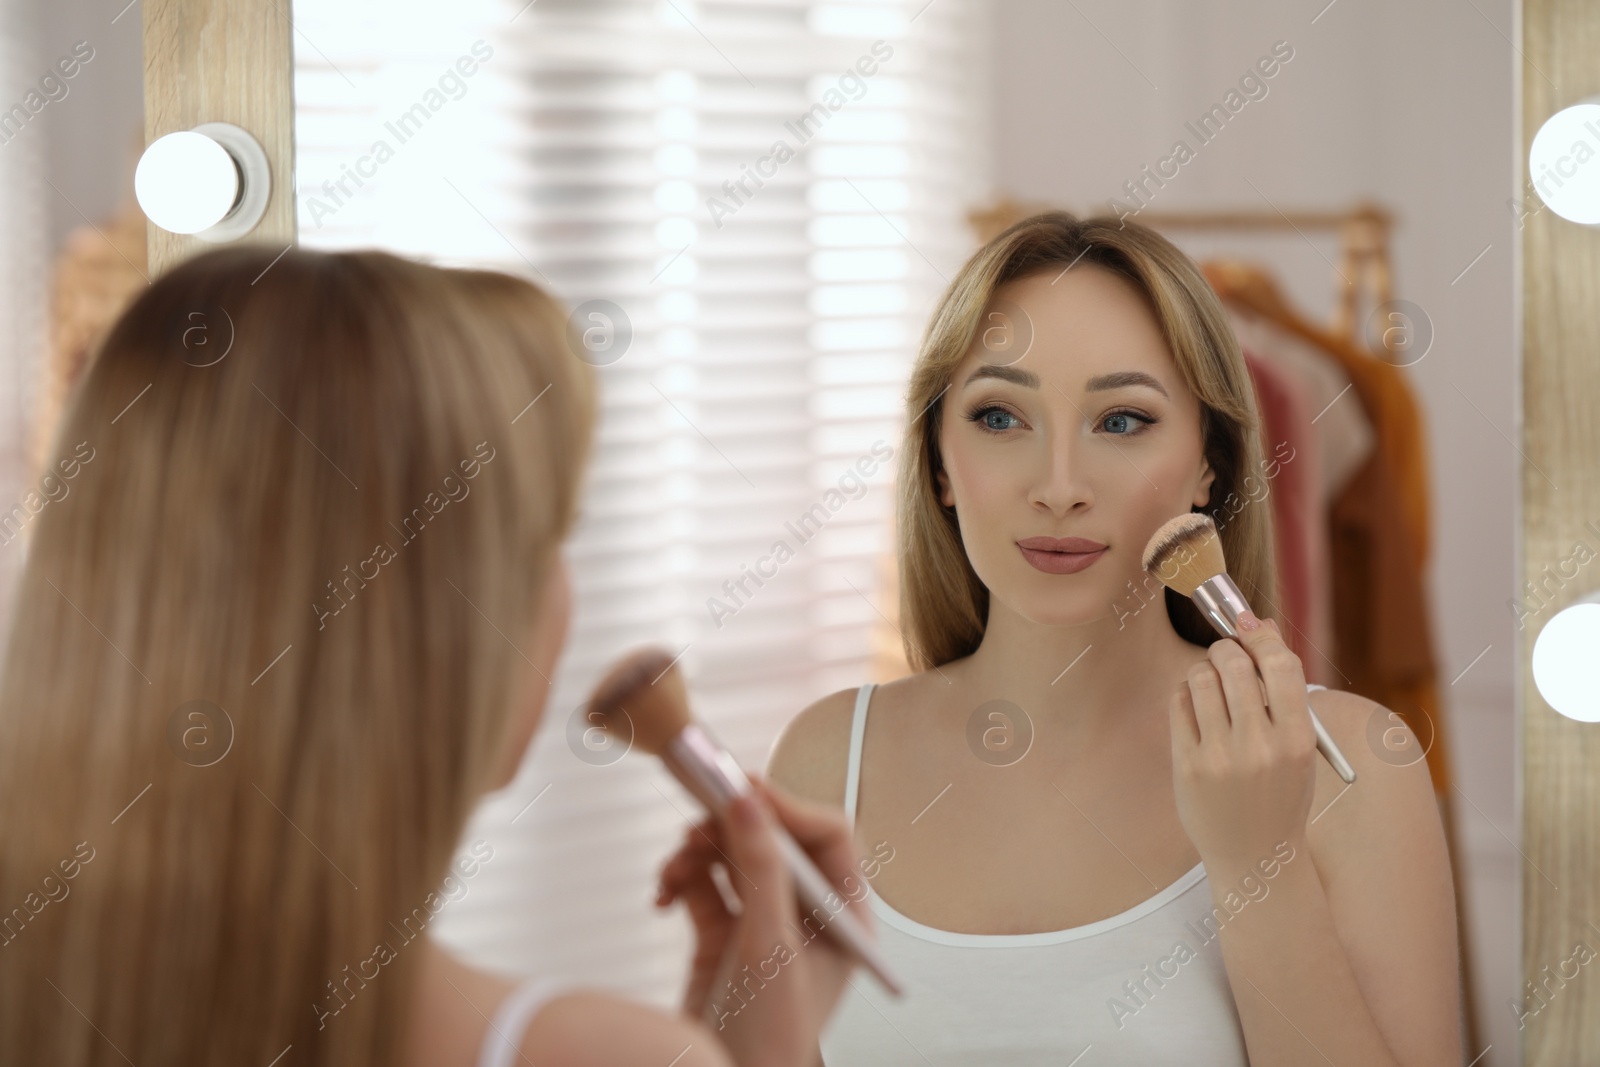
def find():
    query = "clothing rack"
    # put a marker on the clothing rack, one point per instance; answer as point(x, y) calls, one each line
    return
point(1365, 279)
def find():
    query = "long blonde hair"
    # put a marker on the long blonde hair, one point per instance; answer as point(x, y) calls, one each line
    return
point(943, 604)
point(262, 662)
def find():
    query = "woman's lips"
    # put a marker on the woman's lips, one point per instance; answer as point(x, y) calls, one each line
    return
point(1052, 562)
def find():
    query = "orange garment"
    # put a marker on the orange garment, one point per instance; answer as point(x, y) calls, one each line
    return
point(1379, 536)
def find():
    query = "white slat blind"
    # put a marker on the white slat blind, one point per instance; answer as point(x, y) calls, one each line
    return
point(627, 151)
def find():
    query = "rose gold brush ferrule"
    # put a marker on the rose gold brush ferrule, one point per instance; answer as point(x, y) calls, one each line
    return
point(1220, 600)
point(708, 771)
point(705, 768)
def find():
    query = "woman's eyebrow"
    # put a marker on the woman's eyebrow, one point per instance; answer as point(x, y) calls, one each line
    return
point(1004, 373)
point(1121, 378)
point(1099, 383)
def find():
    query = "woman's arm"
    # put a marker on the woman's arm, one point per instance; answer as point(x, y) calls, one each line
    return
point(809, 757)
point(1351, 956)
point(595, 1029)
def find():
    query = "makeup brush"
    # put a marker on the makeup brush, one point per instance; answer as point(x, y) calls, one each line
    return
point(1186, 554)
point(645, 691)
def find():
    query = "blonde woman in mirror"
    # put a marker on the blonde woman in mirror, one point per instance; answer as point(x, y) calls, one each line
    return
point(296, 617)
point(1106, 833)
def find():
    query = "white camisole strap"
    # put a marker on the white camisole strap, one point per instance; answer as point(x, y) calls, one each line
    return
point(502, 1042)
point(858, 731)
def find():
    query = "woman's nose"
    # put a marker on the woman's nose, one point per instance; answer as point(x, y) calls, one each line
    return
point(1062, 481)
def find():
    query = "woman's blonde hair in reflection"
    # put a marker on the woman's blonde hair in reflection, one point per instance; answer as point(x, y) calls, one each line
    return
point(318, 533)
point(943, 604)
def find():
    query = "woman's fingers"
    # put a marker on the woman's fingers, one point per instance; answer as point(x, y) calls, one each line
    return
point(824, 833)
point(1205, 694)
point(1284, 683)
point(758, 875)
point(1181, 717)
point(699, 849)
point(1241, 688)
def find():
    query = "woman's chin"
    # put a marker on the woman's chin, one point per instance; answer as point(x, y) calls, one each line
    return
point(1060, 609)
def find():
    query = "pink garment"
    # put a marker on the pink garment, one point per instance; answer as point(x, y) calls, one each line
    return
point(1300, 538)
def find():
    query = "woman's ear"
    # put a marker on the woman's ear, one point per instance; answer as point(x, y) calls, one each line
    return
point(1202, 493)
point(947, 495)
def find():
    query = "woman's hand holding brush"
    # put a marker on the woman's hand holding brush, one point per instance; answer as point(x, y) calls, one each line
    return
point(1244, 750)
point(784, 986)
point(769, 1005)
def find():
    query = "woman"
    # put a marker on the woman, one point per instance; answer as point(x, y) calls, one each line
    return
point(295, 616)
point(1107, 833)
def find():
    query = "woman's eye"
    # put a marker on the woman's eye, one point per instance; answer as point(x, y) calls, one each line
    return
point(993, 419)
point(1125, 423)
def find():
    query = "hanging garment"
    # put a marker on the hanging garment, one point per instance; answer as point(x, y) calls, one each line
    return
point(1345, 437)
point(1291, 482)
point(1378, 529)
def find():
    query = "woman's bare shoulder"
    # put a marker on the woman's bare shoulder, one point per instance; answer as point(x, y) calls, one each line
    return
point(591, 1028)
point(1392, 778)
point(810, 757)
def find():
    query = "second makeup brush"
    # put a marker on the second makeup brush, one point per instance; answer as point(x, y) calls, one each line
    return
point(646, 688)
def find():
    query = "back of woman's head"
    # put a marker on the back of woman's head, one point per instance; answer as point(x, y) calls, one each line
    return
point(264, 654)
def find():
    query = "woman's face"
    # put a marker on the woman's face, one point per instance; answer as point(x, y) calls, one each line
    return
point(1085, 431)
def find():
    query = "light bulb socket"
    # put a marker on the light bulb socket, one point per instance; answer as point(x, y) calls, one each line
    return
point(255, 182)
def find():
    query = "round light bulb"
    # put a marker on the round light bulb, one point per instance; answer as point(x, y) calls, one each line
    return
point(186, 182)
point(1564, 163)
point(1566, 669)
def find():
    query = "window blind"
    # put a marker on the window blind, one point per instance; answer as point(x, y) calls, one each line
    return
point(751, 206)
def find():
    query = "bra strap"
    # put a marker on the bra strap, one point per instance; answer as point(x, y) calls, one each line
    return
point(858, 732)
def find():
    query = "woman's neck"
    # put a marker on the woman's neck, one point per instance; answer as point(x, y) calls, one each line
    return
point(1080, 682)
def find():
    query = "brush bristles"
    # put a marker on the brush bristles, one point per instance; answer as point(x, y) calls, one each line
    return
point(642, 699)
point(1185, 552)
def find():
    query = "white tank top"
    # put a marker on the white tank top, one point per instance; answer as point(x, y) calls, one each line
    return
point(1142, 987)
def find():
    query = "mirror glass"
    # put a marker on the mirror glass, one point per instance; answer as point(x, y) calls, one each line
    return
point(752, 210)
